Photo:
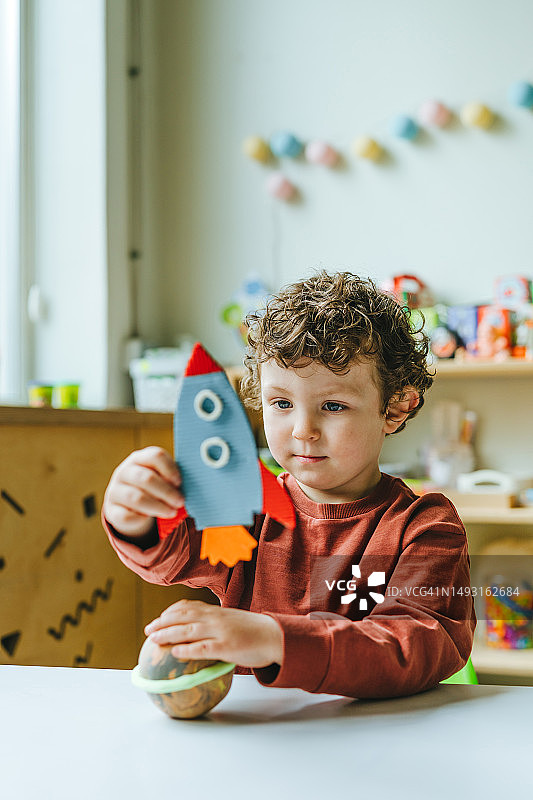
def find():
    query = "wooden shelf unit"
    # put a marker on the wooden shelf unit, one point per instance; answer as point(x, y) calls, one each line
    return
point(494, 664)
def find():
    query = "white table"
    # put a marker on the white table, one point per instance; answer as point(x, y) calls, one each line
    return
point(84, 733)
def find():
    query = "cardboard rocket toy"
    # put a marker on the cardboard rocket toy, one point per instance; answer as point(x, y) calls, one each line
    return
point(223, 481)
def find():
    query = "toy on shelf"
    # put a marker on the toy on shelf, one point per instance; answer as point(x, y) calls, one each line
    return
point(507, 606)
point(493, 334)
point(409, 290)
point(224, 482)
point(404, 127)
point(319, 152)
point(250, 296)
point(182, 689)
point(521, 94)
point(279, 186)
point(285, 145)
point(463, 321)
point(256, 148)
point(512, 291)
point(444, 342)
point(367, 148)
point(434, 114)
point(477, 115)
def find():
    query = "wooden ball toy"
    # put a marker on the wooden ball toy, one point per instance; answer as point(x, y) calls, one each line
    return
point(319, 152)
point(182, 689)
point(368, 148)
point(434, 114)
point(521, 94)
point(404, 127)
point(285, 145)
point(256, 148)
point(279, 186)
point(477, 115)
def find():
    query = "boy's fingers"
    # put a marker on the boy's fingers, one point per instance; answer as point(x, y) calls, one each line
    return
point(138, 501)
point(147, 480)
point(180, 613)
point(156, 458)
point(175, 634)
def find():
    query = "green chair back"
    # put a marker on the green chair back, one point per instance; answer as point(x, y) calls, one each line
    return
point(465, 675)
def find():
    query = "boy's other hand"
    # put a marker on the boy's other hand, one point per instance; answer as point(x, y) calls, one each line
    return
point(201, 630)
point(143, 486)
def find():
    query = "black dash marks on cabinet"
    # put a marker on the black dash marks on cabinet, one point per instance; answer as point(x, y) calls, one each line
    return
point(2, 562)
point(10, 642)
point(56, 541)
point(89, 505)
point(90, 607)
point(13, 503)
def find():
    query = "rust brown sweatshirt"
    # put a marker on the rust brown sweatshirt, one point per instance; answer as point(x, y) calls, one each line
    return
point(347, 628)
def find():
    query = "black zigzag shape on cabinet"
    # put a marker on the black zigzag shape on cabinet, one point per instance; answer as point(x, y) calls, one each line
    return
point(90, 607)
point(79, 660)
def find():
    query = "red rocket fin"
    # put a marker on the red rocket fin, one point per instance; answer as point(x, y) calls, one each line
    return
point(166, 526)
point(229, 544)
point(276, 501)
point(200, 362)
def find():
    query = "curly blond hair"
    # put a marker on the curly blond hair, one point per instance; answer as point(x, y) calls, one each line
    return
point(337, 319)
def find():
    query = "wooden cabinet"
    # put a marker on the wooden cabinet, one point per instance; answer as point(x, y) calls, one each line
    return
point(65, 597)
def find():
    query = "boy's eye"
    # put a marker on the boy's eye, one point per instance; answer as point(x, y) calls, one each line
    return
point(282, 404)
point(332, 406)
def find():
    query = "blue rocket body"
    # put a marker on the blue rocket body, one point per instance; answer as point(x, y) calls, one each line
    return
point(216, 453)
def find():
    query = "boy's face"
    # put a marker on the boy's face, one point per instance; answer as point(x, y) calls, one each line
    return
point(327, 430)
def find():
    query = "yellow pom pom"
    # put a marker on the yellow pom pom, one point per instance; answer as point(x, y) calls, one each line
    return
point(256, 148)
point(477, 115)
point(365, 147)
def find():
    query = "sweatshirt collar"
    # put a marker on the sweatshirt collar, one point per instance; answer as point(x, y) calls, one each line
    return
point(376, 498)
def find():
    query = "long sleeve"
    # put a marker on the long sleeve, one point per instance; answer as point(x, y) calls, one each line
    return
point(175, 559)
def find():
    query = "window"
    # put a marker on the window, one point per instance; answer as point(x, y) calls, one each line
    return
point(11, 361)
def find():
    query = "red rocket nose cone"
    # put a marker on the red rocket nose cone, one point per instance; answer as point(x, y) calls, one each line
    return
point(201, 362)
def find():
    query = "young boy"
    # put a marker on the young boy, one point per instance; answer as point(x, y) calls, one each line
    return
point(369, 595)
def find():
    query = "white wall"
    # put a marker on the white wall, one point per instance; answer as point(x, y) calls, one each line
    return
point(70, 259)
point(454, 208)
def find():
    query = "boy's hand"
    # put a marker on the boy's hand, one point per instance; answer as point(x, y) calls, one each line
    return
point(145, 485)
point(200, 630)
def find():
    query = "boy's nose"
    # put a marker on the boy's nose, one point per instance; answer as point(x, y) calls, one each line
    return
point(305, 428)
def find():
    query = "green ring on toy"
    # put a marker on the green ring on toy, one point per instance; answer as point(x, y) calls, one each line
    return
point(181, 683)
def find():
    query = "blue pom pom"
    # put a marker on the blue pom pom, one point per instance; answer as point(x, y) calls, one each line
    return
point(403, 127)
point(285, 145)
point(521, 94)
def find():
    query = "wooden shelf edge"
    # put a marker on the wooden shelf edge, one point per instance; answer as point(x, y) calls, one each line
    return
point(493, 661)
point(460, 369)
point(496, 516)
point(114, 417)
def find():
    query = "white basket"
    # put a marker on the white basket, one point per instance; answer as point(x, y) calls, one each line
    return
point(156, 379)
point(156, 393)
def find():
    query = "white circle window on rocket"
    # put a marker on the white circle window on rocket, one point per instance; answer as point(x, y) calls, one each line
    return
point(208, 405)
point(214, 452)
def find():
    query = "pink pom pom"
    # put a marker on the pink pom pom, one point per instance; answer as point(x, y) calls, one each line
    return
point(434, 113)
point(279, 186)
point(319, 152)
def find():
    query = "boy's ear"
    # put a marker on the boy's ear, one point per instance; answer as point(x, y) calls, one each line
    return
point(399, 408)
